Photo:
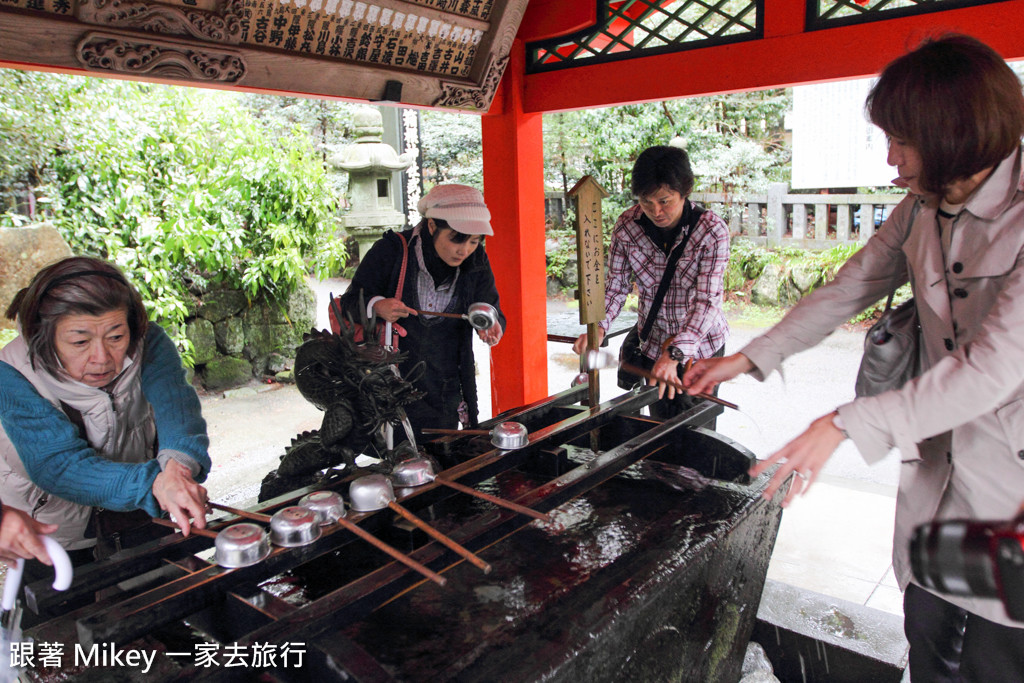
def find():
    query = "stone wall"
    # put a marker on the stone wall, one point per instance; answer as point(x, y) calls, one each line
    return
point(24, 252)
point(235, 340)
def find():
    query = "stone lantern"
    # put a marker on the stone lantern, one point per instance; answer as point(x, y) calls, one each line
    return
point(370, 163)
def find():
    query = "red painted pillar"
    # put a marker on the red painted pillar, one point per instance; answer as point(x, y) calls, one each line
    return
point(513, 149)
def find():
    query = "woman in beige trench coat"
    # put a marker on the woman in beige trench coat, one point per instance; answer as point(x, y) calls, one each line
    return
point(953, 112)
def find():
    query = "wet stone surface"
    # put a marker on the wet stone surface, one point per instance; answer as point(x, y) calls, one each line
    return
point(657, 567)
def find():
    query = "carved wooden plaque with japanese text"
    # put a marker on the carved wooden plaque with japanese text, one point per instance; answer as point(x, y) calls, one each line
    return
point(440, 53)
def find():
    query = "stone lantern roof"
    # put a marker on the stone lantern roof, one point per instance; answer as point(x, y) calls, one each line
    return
point(370, 162)
point(368, 154)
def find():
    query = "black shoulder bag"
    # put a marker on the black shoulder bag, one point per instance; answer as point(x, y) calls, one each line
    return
point(892, 353)
point(630, 351)
point(891, 350)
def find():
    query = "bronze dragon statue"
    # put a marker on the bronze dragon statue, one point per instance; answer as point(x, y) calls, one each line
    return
point(355, 382)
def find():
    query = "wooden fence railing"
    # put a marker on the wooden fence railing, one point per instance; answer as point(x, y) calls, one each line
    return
point(810, 221)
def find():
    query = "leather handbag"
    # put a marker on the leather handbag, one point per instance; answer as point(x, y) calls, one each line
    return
point(892, 354)
point(630, 353)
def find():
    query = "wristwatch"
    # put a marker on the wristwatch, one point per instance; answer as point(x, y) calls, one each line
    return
point(675, 354)
point(837, 422)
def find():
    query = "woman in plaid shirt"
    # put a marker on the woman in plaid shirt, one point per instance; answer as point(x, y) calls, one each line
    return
point(689, 324)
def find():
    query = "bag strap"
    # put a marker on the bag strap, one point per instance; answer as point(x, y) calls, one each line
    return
point(398, 294)
point(896, 285)
point(405, 262)
point(670, 269)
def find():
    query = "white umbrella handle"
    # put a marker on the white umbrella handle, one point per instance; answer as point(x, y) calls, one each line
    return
point(62, 569)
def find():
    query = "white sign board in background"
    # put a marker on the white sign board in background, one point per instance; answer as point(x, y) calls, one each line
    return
point(834, 144)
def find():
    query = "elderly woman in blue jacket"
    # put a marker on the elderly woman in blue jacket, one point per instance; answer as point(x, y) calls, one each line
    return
point(95, 409)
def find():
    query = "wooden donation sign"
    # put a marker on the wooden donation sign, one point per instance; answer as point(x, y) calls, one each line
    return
point(590, 257)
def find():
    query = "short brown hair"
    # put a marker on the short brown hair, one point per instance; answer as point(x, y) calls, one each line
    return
point(77, 285)
point(662, 165)
point(954, 100)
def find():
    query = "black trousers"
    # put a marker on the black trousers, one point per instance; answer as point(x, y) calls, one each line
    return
point(948, 643)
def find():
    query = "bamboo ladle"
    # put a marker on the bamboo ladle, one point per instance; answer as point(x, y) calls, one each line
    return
point(375, 492)
point(358, 531)
point(596, 360)
point(419, 471)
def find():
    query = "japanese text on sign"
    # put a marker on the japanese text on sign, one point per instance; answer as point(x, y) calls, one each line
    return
point(590, 249)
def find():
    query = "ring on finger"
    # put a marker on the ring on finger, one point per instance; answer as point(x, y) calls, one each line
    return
point(802, 475)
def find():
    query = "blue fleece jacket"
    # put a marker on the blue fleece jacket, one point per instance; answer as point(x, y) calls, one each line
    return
point(60, 461)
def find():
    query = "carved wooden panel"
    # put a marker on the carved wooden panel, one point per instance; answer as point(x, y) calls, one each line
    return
point(441, 53)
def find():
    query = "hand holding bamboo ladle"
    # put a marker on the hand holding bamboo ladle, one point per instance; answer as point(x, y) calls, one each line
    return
point(598, 360)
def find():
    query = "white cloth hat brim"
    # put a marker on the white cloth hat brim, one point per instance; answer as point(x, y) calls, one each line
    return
point(469, 220)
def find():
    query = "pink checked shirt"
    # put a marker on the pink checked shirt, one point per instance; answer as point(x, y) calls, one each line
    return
point(691, 313)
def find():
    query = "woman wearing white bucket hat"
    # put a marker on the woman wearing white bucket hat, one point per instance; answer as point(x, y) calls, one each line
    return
point(440, 265)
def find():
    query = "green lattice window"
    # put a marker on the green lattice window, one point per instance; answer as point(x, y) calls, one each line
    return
point(631, 28)
point(831, 13)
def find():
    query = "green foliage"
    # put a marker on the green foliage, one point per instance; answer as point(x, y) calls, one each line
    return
point(451, 149)
point(735, 143)
point(6, 336)
point(328, 124)
point(30, 132)
point(829, 261)
point(179, 187)
point(565, 251)
point(752, 315)
point(749, 259)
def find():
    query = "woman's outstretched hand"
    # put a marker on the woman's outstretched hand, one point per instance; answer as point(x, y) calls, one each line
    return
point(805, 456)
point(492, 335)
point(704, 375)
point(180, 495)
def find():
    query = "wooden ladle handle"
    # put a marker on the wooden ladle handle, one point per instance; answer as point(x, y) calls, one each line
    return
point(438, 313)
point(456, 432)
point(195, 530)
point(500, 502)
point(440, 538)
point(381, 545)
point(254, 516)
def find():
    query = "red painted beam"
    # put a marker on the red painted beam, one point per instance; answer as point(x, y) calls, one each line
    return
point(545, 19)
point(514, 189)
point(786, 56)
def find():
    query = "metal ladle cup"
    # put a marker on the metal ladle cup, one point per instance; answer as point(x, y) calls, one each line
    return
point(294, 526)
point(375, 492)
point(241, 545)
point(481, 316)
point(420, 471)
point(506, 435)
